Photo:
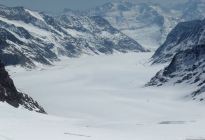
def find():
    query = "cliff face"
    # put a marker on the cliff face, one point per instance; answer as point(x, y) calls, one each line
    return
point(9, 93)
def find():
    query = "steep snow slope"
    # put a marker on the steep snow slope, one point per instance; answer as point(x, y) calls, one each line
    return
point(30, 38)
point(102, 97)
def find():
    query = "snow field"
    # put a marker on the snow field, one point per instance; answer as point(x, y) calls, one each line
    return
point(101, 97)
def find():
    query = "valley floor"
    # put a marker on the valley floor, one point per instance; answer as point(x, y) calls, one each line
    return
point(101, 98)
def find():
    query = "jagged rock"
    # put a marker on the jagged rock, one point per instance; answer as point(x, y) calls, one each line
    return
point(9, 93)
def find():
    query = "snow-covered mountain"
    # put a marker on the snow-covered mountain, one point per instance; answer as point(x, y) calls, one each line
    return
point(185, 35)
point(147, 23)
point(9, 93)
point(185, 48)
point(30, 38)
point(187, 67)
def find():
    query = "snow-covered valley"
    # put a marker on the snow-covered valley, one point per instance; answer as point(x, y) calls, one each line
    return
point(102, 97)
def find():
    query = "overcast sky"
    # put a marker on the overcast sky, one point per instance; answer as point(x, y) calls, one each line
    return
point(59, 5)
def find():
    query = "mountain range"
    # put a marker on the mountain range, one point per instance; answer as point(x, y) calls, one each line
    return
point(96, 91)
point(31, 38)
point(147, 23)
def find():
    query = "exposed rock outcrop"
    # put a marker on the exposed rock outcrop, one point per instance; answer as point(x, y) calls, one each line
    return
point(9, 93)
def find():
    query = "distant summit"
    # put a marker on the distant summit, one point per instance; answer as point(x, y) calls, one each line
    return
point(146, 22)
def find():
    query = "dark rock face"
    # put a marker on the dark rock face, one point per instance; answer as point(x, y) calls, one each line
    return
point(185, 35)
point(186, 67)
point(9, 94)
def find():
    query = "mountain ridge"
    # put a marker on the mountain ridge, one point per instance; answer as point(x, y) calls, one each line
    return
point(184, 36)
point(146, 22)
point(32, 38)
